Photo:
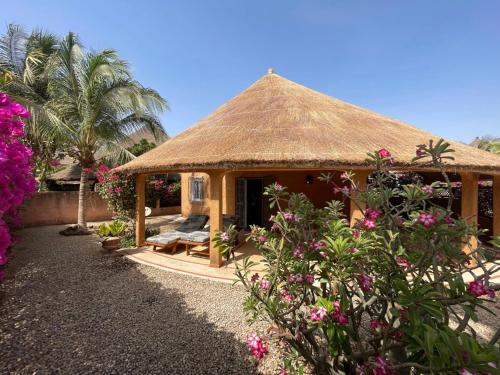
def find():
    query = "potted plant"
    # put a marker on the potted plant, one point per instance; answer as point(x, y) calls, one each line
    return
point(112, 233)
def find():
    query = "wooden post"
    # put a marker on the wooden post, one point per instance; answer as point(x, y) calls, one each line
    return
point(496, 205)
point(140, 215)
point(469, 206)
point(215, 204)
point(356, 210)
point(229, 193)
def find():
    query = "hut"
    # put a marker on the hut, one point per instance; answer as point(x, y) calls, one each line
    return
point(278, 130)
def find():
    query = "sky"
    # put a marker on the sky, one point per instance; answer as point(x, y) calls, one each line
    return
point(434, 64)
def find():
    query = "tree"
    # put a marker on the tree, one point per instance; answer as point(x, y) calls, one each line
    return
point(95, 104)
point(141, 147)
point(377, 298)
point(23, 67)
point(487, 143)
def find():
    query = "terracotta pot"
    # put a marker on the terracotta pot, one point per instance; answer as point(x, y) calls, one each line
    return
point(111, 243)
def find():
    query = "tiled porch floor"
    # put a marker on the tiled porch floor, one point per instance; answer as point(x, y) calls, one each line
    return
point(194, 265)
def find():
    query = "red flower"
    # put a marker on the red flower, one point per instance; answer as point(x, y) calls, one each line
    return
point(384, 153)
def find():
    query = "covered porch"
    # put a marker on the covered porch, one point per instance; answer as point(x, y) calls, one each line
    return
point(239, 192)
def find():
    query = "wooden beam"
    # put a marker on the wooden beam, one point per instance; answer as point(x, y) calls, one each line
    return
point(496, 206)
point(469, 206)
point(356, 209)
point(215, 204)
point(140, 215)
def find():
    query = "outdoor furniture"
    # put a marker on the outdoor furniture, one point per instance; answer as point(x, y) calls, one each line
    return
point(187, 231)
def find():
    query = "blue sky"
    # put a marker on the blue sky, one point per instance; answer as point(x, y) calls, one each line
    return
point(434, 64)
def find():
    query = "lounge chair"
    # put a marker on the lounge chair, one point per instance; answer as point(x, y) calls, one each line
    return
point(186, 231)
point(199, 242)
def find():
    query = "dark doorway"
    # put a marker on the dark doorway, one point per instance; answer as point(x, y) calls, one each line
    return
point(254, 202)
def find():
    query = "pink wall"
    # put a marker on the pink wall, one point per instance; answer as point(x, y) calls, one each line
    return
point(61, 207)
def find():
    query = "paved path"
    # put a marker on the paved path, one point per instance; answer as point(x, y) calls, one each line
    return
point(68, 307)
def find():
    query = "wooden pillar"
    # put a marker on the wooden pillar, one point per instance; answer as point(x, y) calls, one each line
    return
point(140, 215)
point(215, 204)
point(469, 206)
point(496, 205)
point(229, 193)
point(356, 210)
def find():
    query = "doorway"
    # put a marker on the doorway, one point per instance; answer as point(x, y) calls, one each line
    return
point(249, 201)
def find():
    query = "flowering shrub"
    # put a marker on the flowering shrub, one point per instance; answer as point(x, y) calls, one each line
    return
point(118, 190)
point(16, 177)
point(376, 298)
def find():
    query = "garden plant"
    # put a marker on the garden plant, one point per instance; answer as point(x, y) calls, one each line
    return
point(16, 179)
point(388, 295)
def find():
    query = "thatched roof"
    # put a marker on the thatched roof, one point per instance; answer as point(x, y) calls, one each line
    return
point(70, 173)
point(277, 123)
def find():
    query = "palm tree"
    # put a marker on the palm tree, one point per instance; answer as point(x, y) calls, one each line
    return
point(23, 64)
point(95, 103)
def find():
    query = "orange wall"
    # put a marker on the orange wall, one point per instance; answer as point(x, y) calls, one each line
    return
point(61, 207)
point(318, 192)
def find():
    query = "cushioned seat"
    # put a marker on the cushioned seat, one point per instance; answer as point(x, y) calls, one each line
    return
point(196, 236)
point(165, 238)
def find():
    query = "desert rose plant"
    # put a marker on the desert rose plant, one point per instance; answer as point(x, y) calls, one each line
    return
point(387, 296)
point(16, 176)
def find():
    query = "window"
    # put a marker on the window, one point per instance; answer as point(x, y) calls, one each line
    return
point(196, 189)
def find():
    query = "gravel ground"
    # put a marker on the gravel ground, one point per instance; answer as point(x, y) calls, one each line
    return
point(68, 307)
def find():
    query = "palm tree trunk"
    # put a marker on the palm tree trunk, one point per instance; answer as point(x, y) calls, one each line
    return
point(82, 200)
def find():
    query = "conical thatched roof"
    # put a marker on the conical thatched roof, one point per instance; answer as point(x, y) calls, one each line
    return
point(277, 123)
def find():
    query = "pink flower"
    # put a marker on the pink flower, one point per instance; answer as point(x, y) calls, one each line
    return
point(365, 281)
point(372, 213)
point(465, 371)
point(338, 315)
point(255, 277)
point(278, 187)
point(344, 176)
point(118, 190)
point(477, 288)
point(448, 219)
point(384, 153)
point(256, 346)
point(318, 314)
point(420, 151)
point(103, 168)
point(428, 219)
point(381, 367)
point(356, 233)
point(286, 295)
point(308, 278)
point(289, 216)
point(87, 170)
point(3, 259)
point(224, 236)
point(369, 223)
point(403, 263)
point(378, 325)
point(18, 110)
point(298, 252)
point(353, 250)
point(316, 245)
point(265, 284)
point(275, 227)
point(428, 189)
point(261, 238)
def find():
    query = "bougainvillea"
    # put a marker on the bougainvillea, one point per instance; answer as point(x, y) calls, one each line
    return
point(16, 177)
point(118, 190)
point(392, 294)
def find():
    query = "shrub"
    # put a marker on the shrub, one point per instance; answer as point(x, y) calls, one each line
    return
point(118, 190)
point(115, 228)
point(376, 298)
point(16, 177)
